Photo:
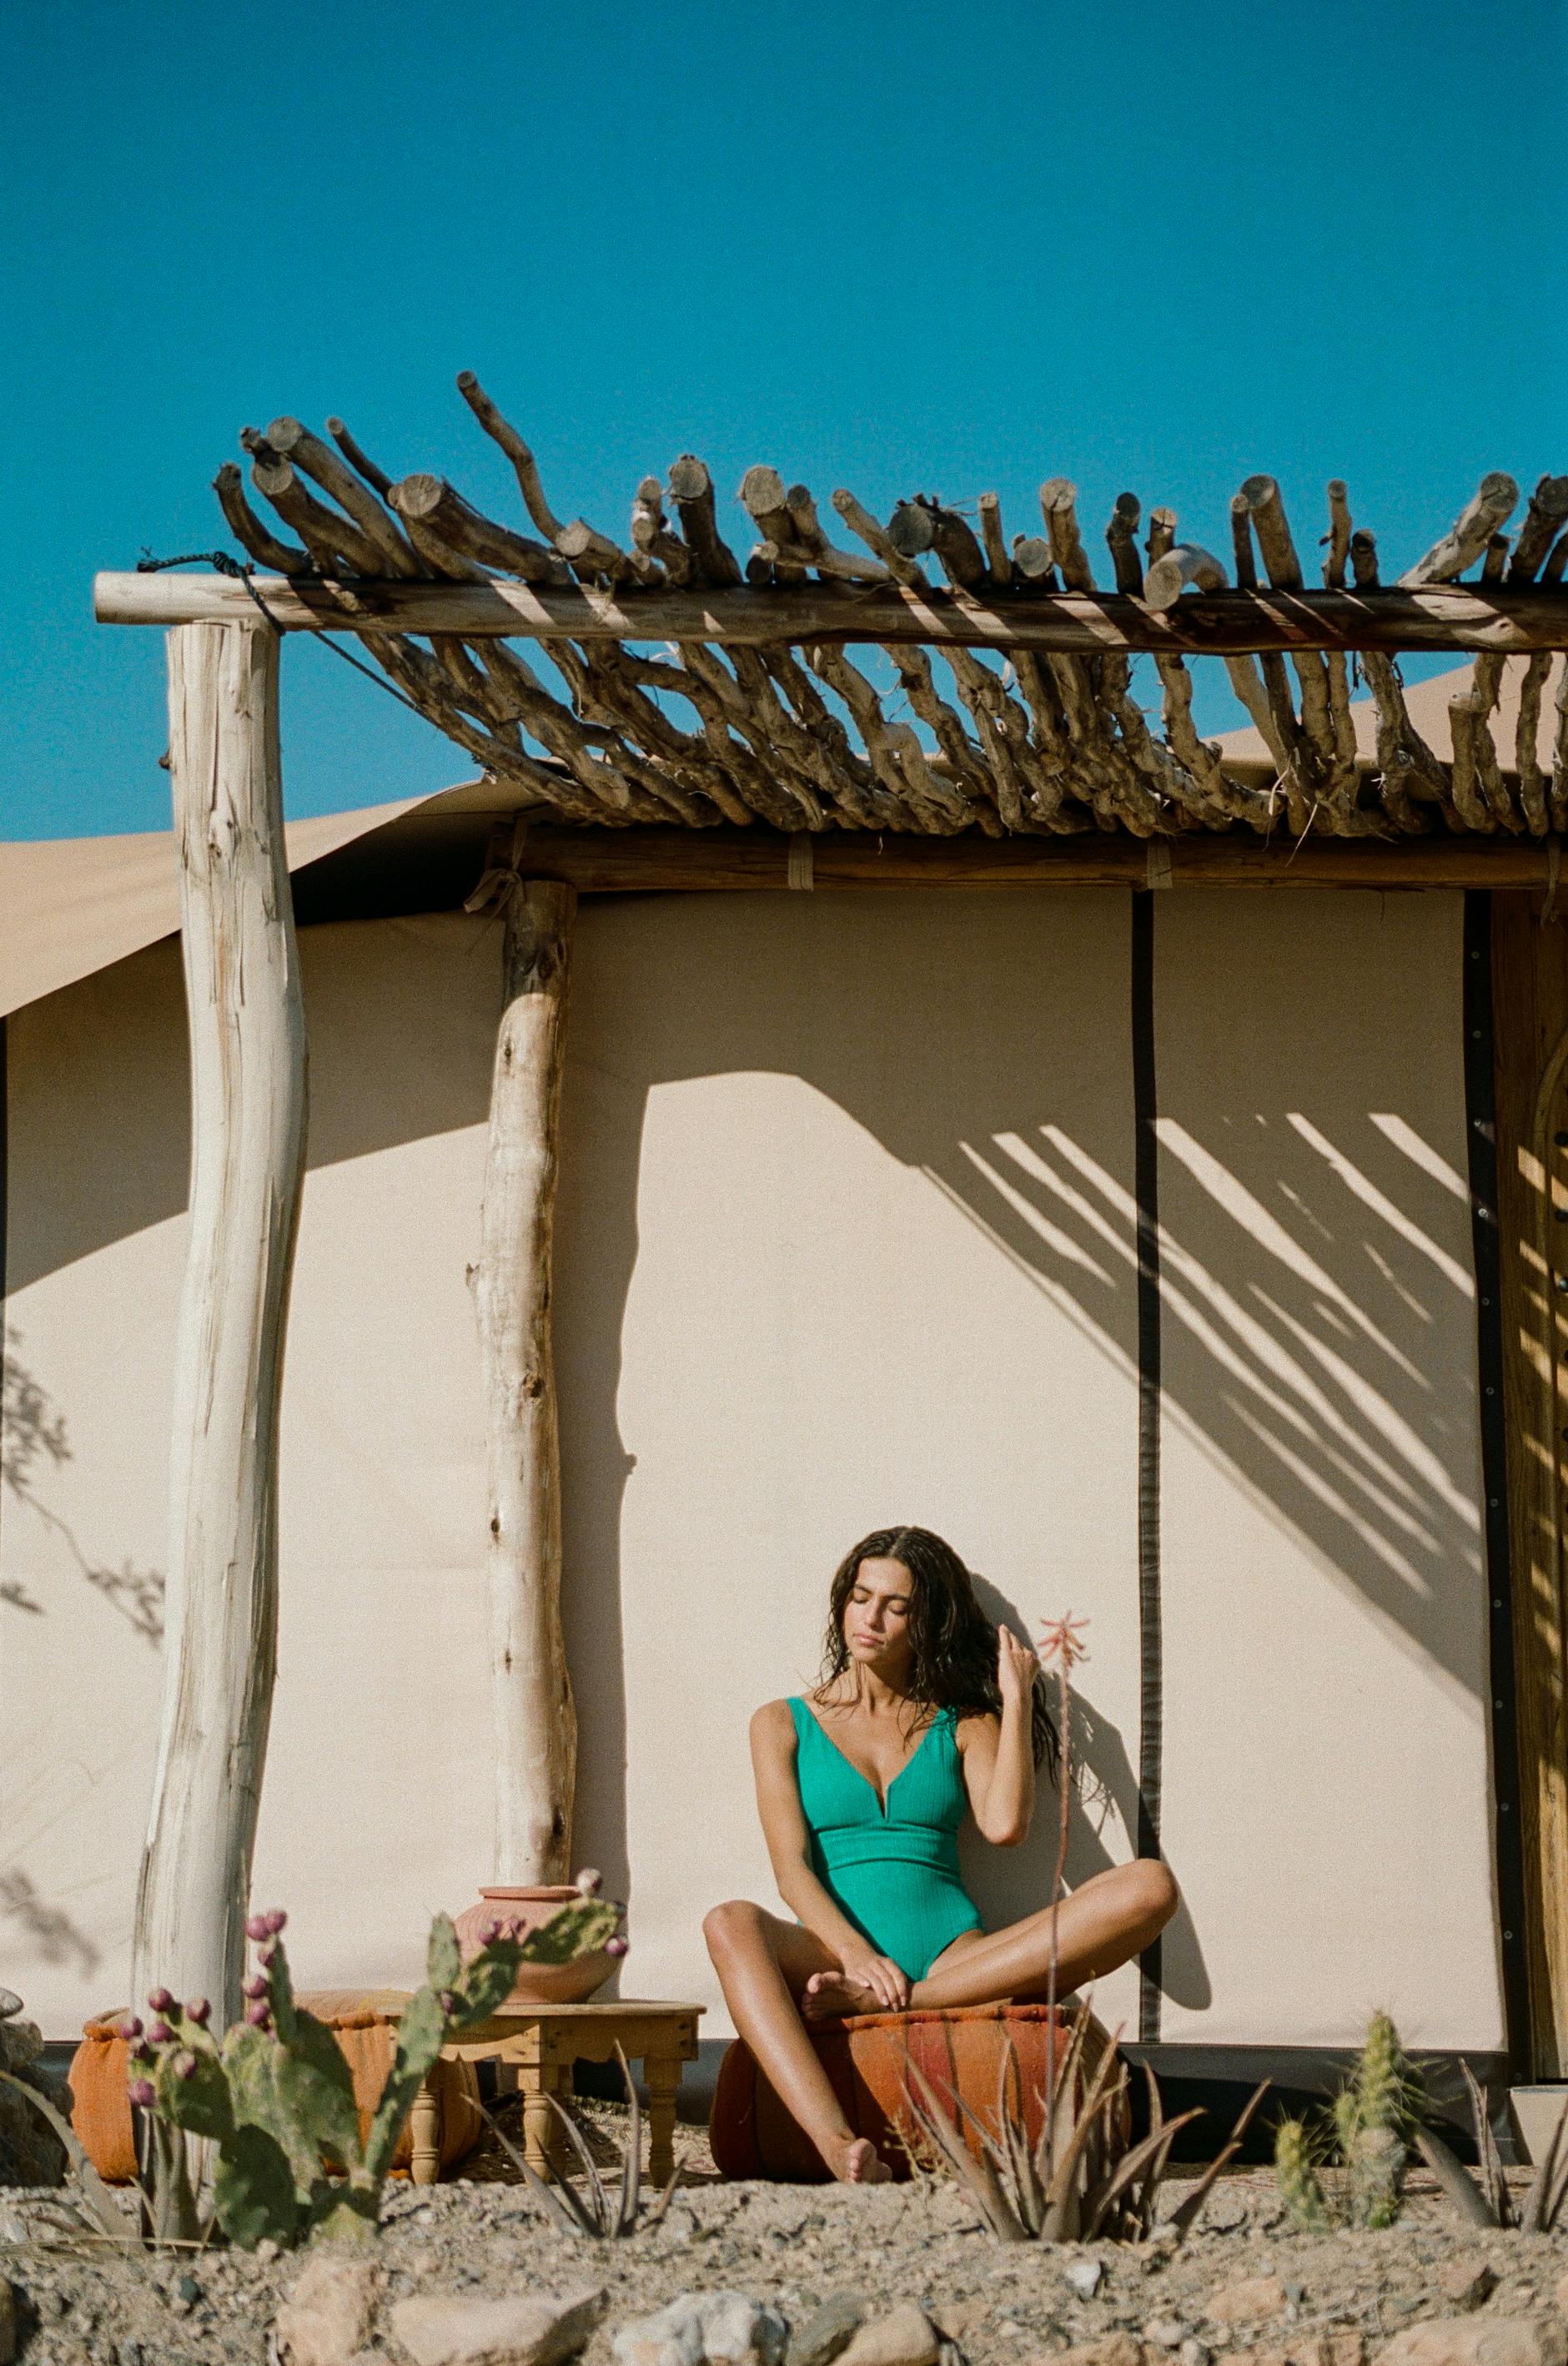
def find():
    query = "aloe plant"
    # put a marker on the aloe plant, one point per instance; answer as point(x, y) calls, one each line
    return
point(1079, 2181)
point(1485, 2201)
point(602, 2212)
point(274, 2097)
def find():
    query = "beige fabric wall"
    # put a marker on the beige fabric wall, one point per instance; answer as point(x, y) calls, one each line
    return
point(375, 1809)
point(1327, 1791)
point(847, 1238)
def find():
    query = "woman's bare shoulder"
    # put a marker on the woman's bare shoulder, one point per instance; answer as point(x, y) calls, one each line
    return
point(773, 1722)
point(975, 1725)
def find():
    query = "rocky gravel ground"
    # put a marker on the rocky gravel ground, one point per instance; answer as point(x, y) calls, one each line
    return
point(1242, 2285)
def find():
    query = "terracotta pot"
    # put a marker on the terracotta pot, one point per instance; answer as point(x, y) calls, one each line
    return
point(960, 2052)
point(364, 2023)
point(519, 1912)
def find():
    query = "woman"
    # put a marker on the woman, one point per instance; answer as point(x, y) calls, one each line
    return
point(925, 1712)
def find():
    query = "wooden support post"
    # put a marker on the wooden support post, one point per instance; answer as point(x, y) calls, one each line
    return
point(247, 1050)
point(536, 1734)
point(1530, 994)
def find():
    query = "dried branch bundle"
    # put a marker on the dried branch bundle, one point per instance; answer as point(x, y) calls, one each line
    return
point(1049, 742)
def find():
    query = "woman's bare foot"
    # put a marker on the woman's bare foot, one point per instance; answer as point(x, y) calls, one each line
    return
point(859, 2162)
point(833, 1996)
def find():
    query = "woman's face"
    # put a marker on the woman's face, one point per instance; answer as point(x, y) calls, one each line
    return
point(876, 1615)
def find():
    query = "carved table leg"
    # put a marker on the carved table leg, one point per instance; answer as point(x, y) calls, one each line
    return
point(661, 2077)
point(424, 2130)
point(541, 2139)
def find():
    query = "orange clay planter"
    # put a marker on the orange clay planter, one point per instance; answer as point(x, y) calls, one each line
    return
point(866, 2059)
point(364, 2021)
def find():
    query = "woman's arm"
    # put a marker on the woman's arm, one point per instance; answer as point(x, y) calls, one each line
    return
point(998, 1753)
point(773, 1749)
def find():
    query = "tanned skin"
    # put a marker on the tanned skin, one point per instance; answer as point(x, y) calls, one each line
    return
point(776, 1976)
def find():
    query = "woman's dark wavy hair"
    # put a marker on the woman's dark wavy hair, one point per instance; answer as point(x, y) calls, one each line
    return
point(954, 1641)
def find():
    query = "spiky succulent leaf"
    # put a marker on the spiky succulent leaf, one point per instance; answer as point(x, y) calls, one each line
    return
point(250, 2058)
point(486, 1983)
point(1384, 2086)
point(1377, 2172)
point(280, 1992)
point(575, 1930)
point(444, 1961)
point(201, 2104)
point(420, 2034)
point(1296, 2169)
point(315, 2090)
point(253, 2191)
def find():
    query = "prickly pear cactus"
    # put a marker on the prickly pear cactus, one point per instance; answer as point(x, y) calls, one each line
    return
point(1295, 2170)
point(276, 2097)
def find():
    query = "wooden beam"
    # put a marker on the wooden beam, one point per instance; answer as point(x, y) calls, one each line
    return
point(536, 1732)
point(674, 860)
point(247, 1053)
point(1529, 997)
point(1506, 618)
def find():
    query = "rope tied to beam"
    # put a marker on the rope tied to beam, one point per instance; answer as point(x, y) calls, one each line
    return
point(501, 884)
point(242, 570)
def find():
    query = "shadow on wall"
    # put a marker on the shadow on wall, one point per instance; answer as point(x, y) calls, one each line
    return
point(33, 1438)
point(1308, 1232)
point(1307, 1243)
point(1007, 1883)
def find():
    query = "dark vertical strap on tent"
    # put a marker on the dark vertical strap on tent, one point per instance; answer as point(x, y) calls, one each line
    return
point(1481, 1134)
point(1146, 1169)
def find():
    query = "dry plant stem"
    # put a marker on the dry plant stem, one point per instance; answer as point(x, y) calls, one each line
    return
point(999, 559)
point(502, 432)
point(1121, 540)
point(332, 540)
point(293, 442)
point(1526, 745)
point(376, 478)
point(430, 502)
point(1496, 499)
point(1543, 519)
point(691, 491)
point(1058, 1871)
point(250, 533)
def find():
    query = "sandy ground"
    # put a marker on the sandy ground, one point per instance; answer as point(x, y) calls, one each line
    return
point(79, 2303)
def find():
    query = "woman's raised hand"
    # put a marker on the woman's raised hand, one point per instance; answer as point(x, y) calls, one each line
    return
point(1015, 1667)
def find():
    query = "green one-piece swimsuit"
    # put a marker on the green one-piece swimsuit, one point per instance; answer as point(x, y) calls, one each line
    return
point(893, 1869)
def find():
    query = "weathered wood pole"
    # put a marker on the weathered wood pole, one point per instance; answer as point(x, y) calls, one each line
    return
point(247, 1051)
point(536, 1731)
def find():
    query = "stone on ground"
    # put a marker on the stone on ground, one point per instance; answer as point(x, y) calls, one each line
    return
point(1248, 2303)
point(325, 2321)
point(905, 2337)
point(720, 2328)
point(453, 2330)
point(828, 2331)
point(1467, 2281)
point(1111, 2349)
point(1475, 2341)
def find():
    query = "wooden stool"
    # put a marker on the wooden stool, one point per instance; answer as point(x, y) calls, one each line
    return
point(540, 2042)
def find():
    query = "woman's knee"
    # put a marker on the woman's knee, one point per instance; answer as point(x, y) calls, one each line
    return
point(1151, 1892)
point(731, 1926)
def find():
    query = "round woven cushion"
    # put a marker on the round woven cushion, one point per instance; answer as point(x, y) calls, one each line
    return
point(364, 2021)
point(961, 2053)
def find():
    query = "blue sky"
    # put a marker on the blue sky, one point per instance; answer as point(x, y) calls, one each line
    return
point(939, 249)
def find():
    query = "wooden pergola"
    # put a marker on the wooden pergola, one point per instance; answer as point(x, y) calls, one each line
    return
point(702, 724)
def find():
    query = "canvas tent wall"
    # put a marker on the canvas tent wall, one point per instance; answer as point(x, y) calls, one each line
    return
point(836, 1247)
